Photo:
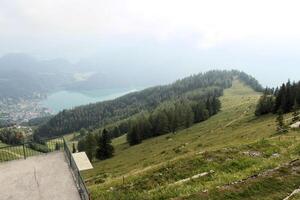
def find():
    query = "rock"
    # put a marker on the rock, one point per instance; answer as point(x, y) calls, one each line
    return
point(275, 155)
point(252, 153)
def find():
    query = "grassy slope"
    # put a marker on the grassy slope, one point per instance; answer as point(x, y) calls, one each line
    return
point(150, 169)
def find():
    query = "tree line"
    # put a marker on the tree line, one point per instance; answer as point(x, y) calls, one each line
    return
point(170, 117)
point(283, 99)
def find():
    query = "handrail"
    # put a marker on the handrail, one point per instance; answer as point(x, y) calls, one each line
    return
point(31, 148)
point(84, 194)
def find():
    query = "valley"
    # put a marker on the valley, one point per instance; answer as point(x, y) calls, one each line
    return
point(231, 153)
point(149, 100)
point(65, 99)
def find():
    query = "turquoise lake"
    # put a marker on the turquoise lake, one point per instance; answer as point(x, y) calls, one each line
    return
point(65, 99)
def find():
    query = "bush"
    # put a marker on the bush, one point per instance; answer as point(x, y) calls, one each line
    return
point(39, 147)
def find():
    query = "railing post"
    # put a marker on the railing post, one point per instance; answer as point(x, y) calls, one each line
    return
point(24, 151)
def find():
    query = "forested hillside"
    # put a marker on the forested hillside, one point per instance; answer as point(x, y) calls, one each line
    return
point(283, 99)
point(200, 87)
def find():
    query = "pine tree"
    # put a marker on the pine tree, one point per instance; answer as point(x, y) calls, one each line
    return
point(188, 116)
point(296, 113)
point(90, 146)
point(145, 127)
point(134, 137)
point(180, 112)
point(280, 122)
point(209, 106)
point(169, 110)
point(200, 112)
point(298, 93)
point(116, 132)
point(284, 105)
point(289, 97)
point(173, 119)
point(279, 98)
point(162, 123)
point(265, 105)
point(216, 105)
point(104, 148)
point(81, 145)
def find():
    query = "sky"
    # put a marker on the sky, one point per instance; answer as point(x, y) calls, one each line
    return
point(261, 37)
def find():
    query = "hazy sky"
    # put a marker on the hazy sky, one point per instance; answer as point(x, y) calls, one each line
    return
point(255, 35)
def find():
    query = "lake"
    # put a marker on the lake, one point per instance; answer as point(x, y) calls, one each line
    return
point(65, 99)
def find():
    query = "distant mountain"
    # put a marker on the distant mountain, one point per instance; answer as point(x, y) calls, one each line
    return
point(22, 76)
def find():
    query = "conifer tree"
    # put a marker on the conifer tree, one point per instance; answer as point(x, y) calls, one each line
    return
point(216, 105)
point(90, 146)
point(265, 105)
point(162, 123)
point(145, 127)
point(134, 137)
point(200, 112)
point(173, 119)
point(188, 116)
point(296, 112)
point(280, 99)
point(81, 145)
point(116, 132)
point(289, 97)
point(280, 122)
point(104, 148)
point(209, 106)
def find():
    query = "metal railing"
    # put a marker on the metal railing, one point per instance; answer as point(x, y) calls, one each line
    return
point(32, 148)
point(83, 192)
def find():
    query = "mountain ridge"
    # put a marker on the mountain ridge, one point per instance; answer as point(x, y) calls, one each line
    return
point(210, 83)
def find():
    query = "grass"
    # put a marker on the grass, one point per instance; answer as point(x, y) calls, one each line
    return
point(234, 144)
point(2, 144)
